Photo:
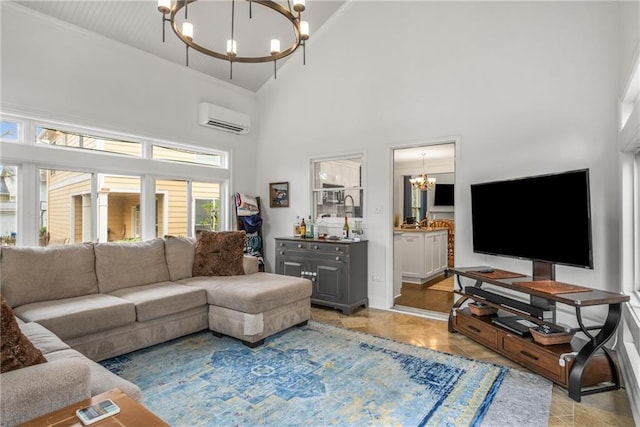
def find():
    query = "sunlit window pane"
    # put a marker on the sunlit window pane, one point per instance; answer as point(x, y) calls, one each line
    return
point(171, 207)
point(87, 142)
point(206, 206)
point(65, 207)
point(119, 215)
point(8, 206)
point(186, 156)
point(9, 131)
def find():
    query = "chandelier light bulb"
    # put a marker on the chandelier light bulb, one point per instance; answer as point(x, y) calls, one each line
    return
point(232, 48)
point(164, 6)
point(304, 30)
point(275, 46)
point(187, 30)
point(298, 5)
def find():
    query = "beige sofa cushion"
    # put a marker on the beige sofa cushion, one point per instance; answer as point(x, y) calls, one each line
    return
point(179, 252)
point(161, 299)
point(34, 274)
point(75, 317)
point(124, 265)
point(41, 337)
point(254, 293)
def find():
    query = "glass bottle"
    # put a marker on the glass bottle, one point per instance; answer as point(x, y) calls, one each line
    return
point(345, 229)
point(303, 229)
point(310, 228)
point(296, 227)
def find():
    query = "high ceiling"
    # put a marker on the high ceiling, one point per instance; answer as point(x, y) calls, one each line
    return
point(139, 24)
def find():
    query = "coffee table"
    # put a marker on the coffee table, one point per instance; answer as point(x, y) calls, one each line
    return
point(132, 414)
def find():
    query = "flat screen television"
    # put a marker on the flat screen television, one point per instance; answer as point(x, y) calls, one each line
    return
point(545, 218)
point(443, 195)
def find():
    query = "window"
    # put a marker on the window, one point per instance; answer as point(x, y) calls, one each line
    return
point(418, 203)
point(9, 131)
point(337, 188)
point(175, 199)
point(8, 207)
point(206, 211)
point(186, 156)
point(119, 210)
point(99, 197)
point(67, 207)
point(87, 142)
point(636, 225)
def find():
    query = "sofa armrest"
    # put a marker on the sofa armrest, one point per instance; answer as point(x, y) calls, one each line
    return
point(250, 264)
point(30, 392)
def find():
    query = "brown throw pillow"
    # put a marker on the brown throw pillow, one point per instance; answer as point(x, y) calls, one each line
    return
point(17, 350)
point(219, 253)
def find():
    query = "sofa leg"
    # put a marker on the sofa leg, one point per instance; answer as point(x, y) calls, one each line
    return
point(301, 324)
point(253, 344)
point(217, 334)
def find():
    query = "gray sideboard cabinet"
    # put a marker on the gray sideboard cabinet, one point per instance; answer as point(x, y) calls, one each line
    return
point(337, 270)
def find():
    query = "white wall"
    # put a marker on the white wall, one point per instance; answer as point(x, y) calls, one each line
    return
point(59, 72)
point(529, 88)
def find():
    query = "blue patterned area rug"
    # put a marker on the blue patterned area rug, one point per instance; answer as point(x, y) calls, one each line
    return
point(320, 375)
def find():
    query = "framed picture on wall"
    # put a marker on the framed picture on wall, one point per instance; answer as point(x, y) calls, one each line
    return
point(279, 194)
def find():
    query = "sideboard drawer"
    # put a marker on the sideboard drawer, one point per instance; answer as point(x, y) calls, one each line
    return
point(533, 356)
point(476, 329)
point(287, 244)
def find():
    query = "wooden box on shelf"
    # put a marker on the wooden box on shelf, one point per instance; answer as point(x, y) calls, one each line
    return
point(480, 309)
point(550, 338)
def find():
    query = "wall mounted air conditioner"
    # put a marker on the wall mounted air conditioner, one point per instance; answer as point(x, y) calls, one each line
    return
point(222, 118)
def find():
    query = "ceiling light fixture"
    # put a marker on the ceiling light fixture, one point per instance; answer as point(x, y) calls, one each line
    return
point(423, 182)
point(170, 9)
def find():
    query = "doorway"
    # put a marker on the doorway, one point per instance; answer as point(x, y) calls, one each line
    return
point(424, 227)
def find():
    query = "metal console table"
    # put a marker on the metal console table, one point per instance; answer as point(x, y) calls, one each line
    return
point(544, 295)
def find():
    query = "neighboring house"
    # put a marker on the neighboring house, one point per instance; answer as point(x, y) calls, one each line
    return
point(67, 197)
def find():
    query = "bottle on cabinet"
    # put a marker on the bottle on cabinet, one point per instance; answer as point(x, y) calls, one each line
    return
point(310, 228)
point(345, 228)
point(303, 229)
point(296, 227)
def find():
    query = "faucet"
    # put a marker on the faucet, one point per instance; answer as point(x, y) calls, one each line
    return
point(353, 205)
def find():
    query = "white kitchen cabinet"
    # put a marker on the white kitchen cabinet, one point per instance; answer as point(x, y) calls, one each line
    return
point(412, 256)
point(423, 254)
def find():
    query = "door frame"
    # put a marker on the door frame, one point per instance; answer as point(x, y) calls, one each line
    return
point(389, 292)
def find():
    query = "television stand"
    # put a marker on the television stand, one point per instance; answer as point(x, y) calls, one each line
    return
point(583, 365)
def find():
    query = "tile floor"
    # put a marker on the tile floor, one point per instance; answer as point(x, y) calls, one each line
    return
point(602, 409)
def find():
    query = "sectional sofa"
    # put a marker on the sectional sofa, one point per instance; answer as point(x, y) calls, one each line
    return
point(88, 302)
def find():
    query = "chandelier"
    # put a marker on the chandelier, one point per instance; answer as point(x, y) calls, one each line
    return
point(170, 8)
point(423, 182)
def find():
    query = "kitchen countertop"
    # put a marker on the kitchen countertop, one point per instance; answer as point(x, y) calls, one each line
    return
point(418, 230)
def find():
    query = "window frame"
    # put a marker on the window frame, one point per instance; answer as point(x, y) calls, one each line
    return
point(318, 191)
point(30, 156)
point(636, 227)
